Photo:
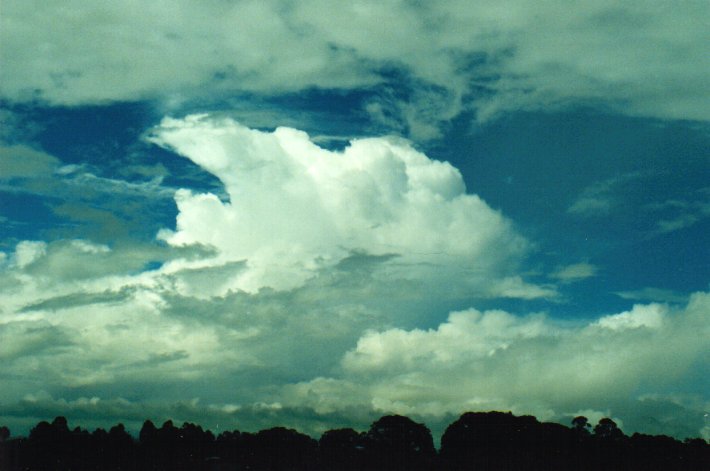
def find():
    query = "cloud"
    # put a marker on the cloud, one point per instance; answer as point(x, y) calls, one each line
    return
point(20, 161)
point(308, 245)
point(269, 286)
point(639, 59)
point(94, 412)
point(599, 198)
point(15, 127)
point(152, 188)
point(85, 320)
point(28, 252)
point(574, 272)
point(295, 208)
point(532, 364)
point(603, 197)
point(312, 248)
point(99, 207)
point(651, 315)
point(253, 43)
point(681, 214)
point(295, 298)
point(628, 194)
point(591, 205)
point(680, 222)
point(654, 294)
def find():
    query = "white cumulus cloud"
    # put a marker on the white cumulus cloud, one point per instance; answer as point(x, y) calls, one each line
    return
point(531, 364)
point(28, 252)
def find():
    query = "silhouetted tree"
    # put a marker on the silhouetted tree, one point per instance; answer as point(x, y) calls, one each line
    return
point(497, 440)
point(492, 440)
point(48, 444)
point(581, 425)
point(607, 449)
point(120, 450)
point(196, 444)
point(697, 453)
point(5, 448)
point(653, 452)
point(148, 433)
point(342, 449)
point(230, 451)
point(395, 442)
point(478, 440)
point(149, 453)
point(607, 429)
point(281, 448)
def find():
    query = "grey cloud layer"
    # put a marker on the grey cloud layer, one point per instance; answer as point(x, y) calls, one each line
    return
point(642, 58)
point(322, 354)
point(495, 360)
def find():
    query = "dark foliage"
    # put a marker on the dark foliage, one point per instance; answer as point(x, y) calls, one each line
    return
point(342, 449)
point(497, 440)
point(398, 443)
point(476, 441)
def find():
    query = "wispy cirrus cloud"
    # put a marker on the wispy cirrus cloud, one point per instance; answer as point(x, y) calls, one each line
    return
point(654, 294)
point(574, 272)
point(603, 197)
point(677, 214)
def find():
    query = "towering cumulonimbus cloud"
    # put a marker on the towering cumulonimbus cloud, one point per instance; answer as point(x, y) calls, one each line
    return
point(294, 208)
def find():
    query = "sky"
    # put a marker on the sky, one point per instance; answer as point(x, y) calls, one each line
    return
point(311, 213)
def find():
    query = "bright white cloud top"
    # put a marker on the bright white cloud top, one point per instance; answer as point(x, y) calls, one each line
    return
point(295, 208)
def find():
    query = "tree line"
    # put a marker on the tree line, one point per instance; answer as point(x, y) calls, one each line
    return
point(475, 441)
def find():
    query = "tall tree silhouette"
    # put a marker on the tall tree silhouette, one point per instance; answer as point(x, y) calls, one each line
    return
point(497, 440)
point(4, 448)
point(282, 448)
point(581, 425)
point(608, 430)
point(342, 449)
point(395, 442)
